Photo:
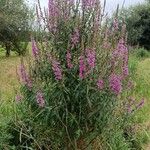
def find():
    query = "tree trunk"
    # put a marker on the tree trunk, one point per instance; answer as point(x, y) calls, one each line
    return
point(8, 49)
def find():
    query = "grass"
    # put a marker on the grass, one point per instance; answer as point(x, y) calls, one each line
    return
point(141, 75)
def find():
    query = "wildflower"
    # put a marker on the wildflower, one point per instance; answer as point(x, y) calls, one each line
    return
point(75, 38)
point(116, 24)
point(53, 13)
point(68, 58)
point(18, 98)
point(53, 8)
point(115, 84)
point(125, 71)
point(35, 50)
point(88, 4)
point(100, 84)
point(25, 77)
point(40, 99)
point(82, 67)
point(121, 55)
point(121, 50)
point(57, 69)
point(121, 47)
point(91, 57)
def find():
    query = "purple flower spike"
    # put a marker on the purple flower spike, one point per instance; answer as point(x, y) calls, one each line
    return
point(116, 24)
point(100, 84)
point(88, 4)
point(57, 70)
point(91, 57)
point(40, 99)
point(18, 98)
point(35, 50)
point(115, 84)
point(24, 77)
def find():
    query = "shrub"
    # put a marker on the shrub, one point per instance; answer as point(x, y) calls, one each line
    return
point(72, 94)
point(142, 53)
point(137, 19)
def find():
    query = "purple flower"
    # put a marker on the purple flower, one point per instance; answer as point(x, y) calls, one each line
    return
point(88, 4)
point(53, 13)
point(18, 98)
point(121, 50)
point(120, 55)
point(75, 38)
point(35, 50)
point(68, 58)
point(116, 24)
point(115, 84)
point(91, 57)
point(57, 69)
point(100, 84)
point(40, 99)
point(24, 77)
point(53, 8)
point(82, 67)
point(125, 71)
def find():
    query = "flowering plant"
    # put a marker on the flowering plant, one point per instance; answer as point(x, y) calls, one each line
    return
point(78, 74)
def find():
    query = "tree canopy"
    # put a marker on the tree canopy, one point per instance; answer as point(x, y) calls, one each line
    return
point(14, 25)
point(137, 19)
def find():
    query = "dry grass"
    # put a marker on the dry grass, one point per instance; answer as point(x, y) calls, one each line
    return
point(8, 78)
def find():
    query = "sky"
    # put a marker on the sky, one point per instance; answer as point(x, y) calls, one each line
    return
point(111, 5)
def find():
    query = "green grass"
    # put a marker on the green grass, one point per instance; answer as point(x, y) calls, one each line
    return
point(140, 69)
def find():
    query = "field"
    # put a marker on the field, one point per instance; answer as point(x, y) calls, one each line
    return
point(9, 86)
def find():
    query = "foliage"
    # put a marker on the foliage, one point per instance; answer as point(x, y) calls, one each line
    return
point(137, 19)
point(75, 92)
point(15, 19)
point(142, 53)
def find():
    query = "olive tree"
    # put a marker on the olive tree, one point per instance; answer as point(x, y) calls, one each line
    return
point(15, 17)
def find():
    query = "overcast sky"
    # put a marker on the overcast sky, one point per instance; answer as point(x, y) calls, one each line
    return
point(110, 7)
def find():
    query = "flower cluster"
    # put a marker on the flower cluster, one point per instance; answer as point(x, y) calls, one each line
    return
point(88, 4)
point(53, 13)
point(40, 99)
point(24, 77)
point(57, 69)
point(91, 57)
point(120, 55)
point(116, 24)
point(115, 84)
point(18, 98)
point(100, 84)
point(35, 50)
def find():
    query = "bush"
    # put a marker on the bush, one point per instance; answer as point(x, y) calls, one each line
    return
point(72, 96)
point(137, 19)
point(142, 53)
